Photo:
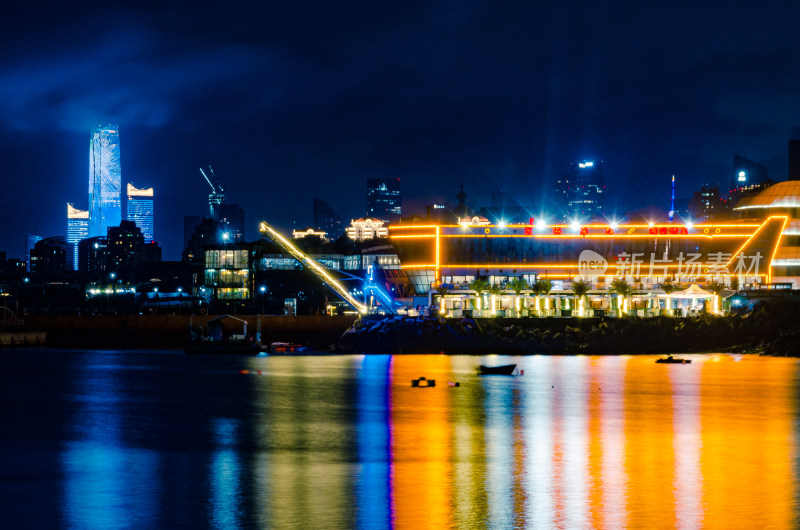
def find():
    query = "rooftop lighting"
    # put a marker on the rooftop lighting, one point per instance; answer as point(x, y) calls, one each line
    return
point(540, 224)
point(575, 225)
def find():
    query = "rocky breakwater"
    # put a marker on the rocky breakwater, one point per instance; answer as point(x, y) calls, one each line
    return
point(768, 331)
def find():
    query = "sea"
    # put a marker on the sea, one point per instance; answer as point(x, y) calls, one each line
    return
point(159, 439)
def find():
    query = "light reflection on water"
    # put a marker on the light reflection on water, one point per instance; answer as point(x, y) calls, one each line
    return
point(341, 442)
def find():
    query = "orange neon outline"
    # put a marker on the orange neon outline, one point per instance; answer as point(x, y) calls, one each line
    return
point(436, 277)
point(527, 266)
point(598, 236)
point(592, 225)
point(775, 249)
point(407, 236)
point(760, 228)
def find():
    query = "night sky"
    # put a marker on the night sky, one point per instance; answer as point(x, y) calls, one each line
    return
point(290, 100)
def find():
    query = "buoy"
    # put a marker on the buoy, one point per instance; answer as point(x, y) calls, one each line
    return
point(522, 372)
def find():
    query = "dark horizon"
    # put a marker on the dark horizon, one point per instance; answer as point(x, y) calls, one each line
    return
point(291, 102)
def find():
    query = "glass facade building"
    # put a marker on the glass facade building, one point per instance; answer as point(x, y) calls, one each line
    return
point(77, 229)
point(140, 210)
point(581, 191)
point(383, 199)
point(105, 180)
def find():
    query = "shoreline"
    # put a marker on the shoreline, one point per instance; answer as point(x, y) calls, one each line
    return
point(772, 331)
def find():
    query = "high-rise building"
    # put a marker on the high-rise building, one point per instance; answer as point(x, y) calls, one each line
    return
point(105, 180)
point(383, 199)
point(189, 224)
point(77, 229)
point(582, 190)
point(30, 242)
point(140, 210)
point(231, 222)
point(93, 255)
point(794, 160)
point(747, 173)
point(125, 248)
point(49, 256)
point(327, 220)
point(706, 203)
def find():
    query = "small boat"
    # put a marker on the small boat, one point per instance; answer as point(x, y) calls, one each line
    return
point(286, 347)
point(669, 359)
point(506, 369)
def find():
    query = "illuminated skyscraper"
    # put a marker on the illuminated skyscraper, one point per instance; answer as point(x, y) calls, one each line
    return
point(140, 210)
point(77, 229)
point(581, 191)
point(383, 199)
point(105, 180)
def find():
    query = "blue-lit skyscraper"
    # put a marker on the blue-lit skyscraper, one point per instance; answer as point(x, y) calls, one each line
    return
point(140, 210)
point(77, 229)
point(105, 180)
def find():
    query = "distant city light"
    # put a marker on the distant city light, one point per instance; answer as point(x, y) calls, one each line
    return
point(742, 176)
point(585, 164)
point(541, 224)
point(689, 225)
point(575, 225)
point(226, 236)
point(501, 223)
point(614, 225)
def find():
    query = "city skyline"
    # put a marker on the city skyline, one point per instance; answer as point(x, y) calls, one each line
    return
point(289, 103)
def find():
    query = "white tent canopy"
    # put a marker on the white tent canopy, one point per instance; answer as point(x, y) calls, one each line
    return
point(693, 291)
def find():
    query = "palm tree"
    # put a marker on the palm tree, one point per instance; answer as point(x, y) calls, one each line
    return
point(669, 287)
point(579, 289)
point(541, 287)
point(518, 285)
point(479, 285)
point(622, 288)
point(494, 290)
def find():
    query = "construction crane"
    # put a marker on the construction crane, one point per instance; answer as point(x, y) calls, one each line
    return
point(370, 286)
point(217, 195)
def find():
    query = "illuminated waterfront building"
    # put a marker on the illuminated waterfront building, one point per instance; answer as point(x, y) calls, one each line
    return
point(77, 229)
point(582, 190)
point(105, 180)
point(736, 253)
point(299, 234)
point(782, 198)
point(366, 228)
point(383, 199)
point(140, 210)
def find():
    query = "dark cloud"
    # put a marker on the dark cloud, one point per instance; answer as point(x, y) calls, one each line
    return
point(291, 100)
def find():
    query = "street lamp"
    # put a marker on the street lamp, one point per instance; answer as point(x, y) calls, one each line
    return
point(180, 299)
point(263, 289)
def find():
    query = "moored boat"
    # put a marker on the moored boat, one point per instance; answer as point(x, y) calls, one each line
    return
point(506, 369)
point(669, 359)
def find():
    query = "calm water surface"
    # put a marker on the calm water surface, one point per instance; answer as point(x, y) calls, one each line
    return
point(163, 440)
